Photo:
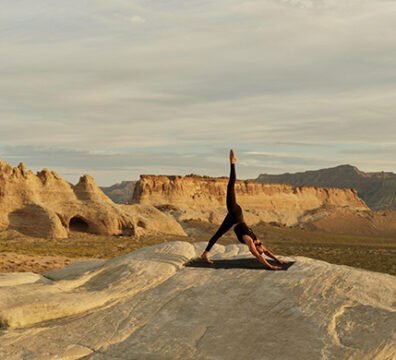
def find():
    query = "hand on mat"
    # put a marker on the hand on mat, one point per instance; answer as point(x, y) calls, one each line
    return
point(274, 267)
point(281, 261)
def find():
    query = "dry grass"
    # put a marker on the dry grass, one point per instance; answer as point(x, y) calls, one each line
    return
point(370, 253)
point(375, 254)
point(78, 245)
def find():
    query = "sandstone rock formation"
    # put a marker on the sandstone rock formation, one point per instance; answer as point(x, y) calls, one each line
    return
point(346, 221)
point(377, 189)
point(45, 205)
point(148, 305)
point(203, 198)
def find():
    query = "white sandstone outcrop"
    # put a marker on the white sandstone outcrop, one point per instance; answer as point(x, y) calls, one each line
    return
point(149, 305)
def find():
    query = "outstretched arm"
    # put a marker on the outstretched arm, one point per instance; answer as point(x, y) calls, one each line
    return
point(272, 256)
point(249, 242)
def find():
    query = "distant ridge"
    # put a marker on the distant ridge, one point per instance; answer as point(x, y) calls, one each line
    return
point(377, 189)
point(120, 193)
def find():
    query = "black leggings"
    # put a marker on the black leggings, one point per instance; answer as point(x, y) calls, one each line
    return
point(234, 215)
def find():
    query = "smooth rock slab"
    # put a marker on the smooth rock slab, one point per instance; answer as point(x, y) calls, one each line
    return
point(148, 305)
point(14, 278)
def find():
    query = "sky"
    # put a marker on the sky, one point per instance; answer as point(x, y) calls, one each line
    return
point(121, 88)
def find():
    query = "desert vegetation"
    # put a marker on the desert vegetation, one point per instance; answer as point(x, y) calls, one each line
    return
point(23, 253)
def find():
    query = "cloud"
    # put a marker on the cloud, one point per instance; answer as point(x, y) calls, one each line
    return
point(262, 76)
point(112, 166)
point(137, 19)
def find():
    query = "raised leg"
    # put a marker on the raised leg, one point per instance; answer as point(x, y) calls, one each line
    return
point(233, 208)
point(231, 198)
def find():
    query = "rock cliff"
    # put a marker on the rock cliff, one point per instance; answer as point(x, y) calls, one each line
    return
point(45, 205)
point(377, 189)
point(203, 198)
point(149, 305)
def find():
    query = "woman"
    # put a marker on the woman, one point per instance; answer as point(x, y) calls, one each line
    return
point(244, 234)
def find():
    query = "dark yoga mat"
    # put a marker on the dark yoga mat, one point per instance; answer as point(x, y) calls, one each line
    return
point(237, 263)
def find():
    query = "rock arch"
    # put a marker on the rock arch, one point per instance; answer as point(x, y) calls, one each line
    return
point(79, 224)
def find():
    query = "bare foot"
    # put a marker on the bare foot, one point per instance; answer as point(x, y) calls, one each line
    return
point(205, 257)
point(233, 158)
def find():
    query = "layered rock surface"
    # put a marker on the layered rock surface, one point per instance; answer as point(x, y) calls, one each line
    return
point(45, 205)
point(148, 305)
point(203, 198)
point(377, 189)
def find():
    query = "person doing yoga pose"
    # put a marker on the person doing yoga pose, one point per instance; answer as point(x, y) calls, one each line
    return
point(244, 233)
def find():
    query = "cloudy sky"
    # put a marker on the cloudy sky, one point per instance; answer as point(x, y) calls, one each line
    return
point(119, 88)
